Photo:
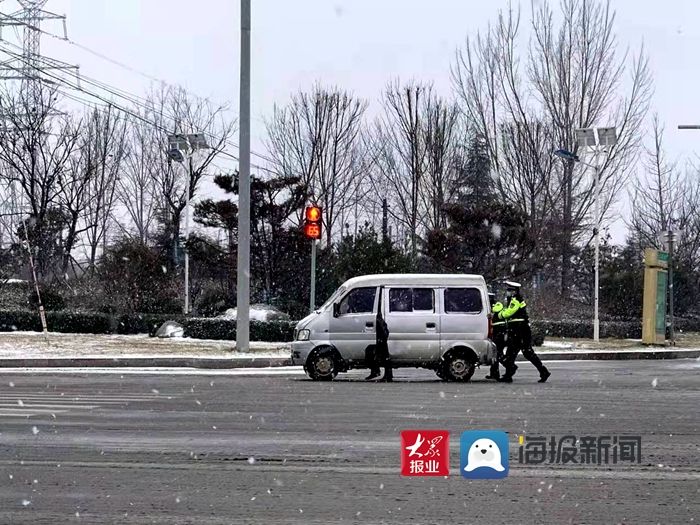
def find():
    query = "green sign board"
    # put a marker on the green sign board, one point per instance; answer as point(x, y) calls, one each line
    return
point(663, 256)
point(661, 283)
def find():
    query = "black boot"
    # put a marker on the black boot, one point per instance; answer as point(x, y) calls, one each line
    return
point(510, 372)
point(494, 373)
point(531, 356)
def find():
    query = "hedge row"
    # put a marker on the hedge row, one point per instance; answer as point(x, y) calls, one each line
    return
point(270, 331)
point(584, 329)
point(99, 323)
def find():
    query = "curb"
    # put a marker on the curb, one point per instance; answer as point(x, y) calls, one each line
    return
point(272, 362)
point(615, 355)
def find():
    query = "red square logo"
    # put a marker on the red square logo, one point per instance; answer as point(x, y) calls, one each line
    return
point(425, 453)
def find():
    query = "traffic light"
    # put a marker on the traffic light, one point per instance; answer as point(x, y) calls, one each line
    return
point(312, 222)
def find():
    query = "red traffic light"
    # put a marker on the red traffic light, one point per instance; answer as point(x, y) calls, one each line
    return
point(313, 214)
point(312, 224)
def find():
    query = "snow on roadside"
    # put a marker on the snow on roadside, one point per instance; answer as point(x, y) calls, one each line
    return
point(33, 344)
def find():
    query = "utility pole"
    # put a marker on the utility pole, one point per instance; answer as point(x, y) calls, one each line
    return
point(243, 278)
point(596, 293)
point(187, 235)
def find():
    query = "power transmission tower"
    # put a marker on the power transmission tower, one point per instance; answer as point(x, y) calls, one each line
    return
point(30, 67)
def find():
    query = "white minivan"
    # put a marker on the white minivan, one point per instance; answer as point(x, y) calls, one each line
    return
point(440, 322)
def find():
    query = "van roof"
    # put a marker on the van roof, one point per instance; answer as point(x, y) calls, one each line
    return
point(421, 279)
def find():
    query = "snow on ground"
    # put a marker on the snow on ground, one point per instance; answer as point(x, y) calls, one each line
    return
point(175, 371)
point(34, 344)
point(258, 312)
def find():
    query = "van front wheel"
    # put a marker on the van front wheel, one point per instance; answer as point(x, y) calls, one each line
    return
point(322, 365)
point(458, 367)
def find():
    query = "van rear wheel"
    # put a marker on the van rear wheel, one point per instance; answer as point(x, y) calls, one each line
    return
point(322, 365)
point(458, 367)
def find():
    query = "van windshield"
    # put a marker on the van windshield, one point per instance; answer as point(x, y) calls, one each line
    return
point(340, 291)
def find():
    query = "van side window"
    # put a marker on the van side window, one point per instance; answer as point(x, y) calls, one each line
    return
point(358, 301)
point(463, 301)
point(411, 300)
point(423, 299)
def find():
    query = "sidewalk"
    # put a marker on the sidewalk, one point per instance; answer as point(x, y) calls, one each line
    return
point(31, 349)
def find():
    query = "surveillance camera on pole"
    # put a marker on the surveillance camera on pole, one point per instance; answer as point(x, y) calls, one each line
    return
point(176, 155)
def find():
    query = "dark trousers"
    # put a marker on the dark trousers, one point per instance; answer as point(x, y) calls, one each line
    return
point(499, 339)
point(520, 340)
point(378, 355)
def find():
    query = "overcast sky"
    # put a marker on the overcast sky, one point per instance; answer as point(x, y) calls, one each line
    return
point(356, 44)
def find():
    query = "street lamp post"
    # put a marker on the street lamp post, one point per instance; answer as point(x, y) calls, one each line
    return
point(597, 138)
point(180, 148)
point(243, 273)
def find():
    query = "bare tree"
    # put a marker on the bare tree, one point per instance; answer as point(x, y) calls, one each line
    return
point(136, 188)
point(316, 138)
point(161, 185)
point(574, 77)
point(401, 161)
point(444, 142)
point(38, 144)
point(103, 150)
point(665, 198)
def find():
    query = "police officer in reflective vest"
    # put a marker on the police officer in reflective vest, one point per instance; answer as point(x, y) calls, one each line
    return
point(498, 336)
point(519, 336)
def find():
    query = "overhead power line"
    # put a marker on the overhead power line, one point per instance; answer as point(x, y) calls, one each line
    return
point(111, 89)
point(133, 99)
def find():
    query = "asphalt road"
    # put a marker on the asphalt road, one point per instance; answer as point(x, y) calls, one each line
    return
point(259, 449)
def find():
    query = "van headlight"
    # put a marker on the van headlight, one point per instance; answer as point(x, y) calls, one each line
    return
point(303, 335)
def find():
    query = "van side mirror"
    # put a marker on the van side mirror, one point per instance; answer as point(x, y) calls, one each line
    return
point(336, 310)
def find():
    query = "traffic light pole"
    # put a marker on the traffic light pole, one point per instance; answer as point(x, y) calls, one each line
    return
point(312, 299)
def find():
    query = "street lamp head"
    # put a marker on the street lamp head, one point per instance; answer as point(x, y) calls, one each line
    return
point(566, 155)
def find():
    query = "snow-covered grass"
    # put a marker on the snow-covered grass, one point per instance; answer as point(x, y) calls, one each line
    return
point(33, 344)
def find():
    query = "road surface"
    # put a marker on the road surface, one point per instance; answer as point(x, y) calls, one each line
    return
point(219, 447)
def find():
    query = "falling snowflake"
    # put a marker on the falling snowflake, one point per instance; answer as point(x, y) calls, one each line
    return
point(578, 409)
point(251, 460)
point(12, 385)
point(442, 395)
point(35, 431)
point(20, 402)
point(655, 382)
point(155, 391)
point(26, 502)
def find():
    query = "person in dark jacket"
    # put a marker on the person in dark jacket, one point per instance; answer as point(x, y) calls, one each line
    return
point(379, 355)
point(498, 336)
point(519, 336)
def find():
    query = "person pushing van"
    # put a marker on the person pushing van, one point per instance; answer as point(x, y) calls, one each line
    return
point(498, 336)
point(519, 336)
point(380, 355)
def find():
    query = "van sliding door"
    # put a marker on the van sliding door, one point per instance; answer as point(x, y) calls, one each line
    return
point(414, 324)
